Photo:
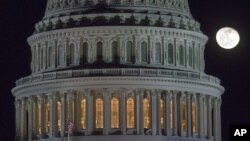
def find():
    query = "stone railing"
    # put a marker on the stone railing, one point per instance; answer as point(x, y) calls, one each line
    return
point(118, 72)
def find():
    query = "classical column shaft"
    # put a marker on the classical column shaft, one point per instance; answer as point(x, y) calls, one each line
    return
point(200, 117)
point(17, 108)
point(51, 127)
point(141, 112)
point(219, 119)
point(154, 113)
point(62, 97)
point(78, 111)
point(106, 112)
point(215, 120)
point(24, 121)
point(167, 113)
point(209, 117)
point(175, 113)
point(137, 114)
point(30, 119)
point(70, 100)
point(159, 112)
point(179, 114)
point(55, 117)
point(123, 112)
point(42, 115)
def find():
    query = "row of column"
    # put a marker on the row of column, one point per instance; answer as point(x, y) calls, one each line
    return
point(27, 116)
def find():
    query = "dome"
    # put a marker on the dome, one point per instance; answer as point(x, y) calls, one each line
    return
point(118, 70)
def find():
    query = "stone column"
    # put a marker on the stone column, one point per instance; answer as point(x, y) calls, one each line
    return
point(137, 113)
point(215, 120)
point(141, 112)
point(78, 111)
point(158, 94)
point(35, 117)
point(18, 109)
point(200, 117)
point(123, 111)
point(70, 101)
point(154, 114)
point(209, 118)
point(219, 118)
point(41, 102)
point(89, 111)
point(30, 118)
point(52, 114)
point(55, 118)
point(106, 118)
point(167, 113)
point(24, 121)
point(63, 109)
point(179, 113)
point(175, 113)
point(189, 115)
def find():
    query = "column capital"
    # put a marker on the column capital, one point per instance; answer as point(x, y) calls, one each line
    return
point(140, 90)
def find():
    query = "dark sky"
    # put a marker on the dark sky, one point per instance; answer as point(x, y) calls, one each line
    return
point(17, 19)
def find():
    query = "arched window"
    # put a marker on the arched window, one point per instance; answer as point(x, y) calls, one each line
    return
point(190, 56)
point(130, 113)
point(72, 53)
point(144, 52)
point(83, 113)
point(60, 55)
point(59, 115)
point(158, 53)
point(99, 113)
point(194, 117)
point(47, 117)
point(162, 113)
point(181, 51)
point(84, 53)
point(50, 56)
point(115, 52)
point(114, 113)
point(99, 51)
point(170, 54)
point(146, 113)
point(184, 114)
point(129, 51)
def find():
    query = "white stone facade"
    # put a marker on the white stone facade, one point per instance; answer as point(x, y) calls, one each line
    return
point(120, 74)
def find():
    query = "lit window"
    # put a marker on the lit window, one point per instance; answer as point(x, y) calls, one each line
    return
point(170, 54)
point(184, 115)
point(144, 52)
point(194, 119)
point(146, 112)
point(47, 118)
point(162, 113)
point(158, 53)
point(130, 113)
point(83, 113)
point(59, 115)
point(99, 113)
point(114, 113)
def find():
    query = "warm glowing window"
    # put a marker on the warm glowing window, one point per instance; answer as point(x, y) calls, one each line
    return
point(194, 119)
point(83, 113)
point(130, 113)
point(47, 118)
point(184, 115)
point(99, 113)
point(114, 113)
point(39, 119)
point(162, 113)
point(146, 113)
point(59, 115)
point(171, 113)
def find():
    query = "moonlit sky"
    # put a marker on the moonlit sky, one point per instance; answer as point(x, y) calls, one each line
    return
point(17, 19)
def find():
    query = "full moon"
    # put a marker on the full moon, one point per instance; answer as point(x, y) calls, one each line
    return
point(227, 38)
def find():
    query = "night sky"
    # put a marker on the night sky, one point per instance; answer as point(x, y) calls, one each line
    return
point(18, 17)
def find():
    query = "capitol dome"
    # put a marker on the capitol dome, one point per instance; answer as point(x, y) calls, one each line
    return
point(118, 70)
